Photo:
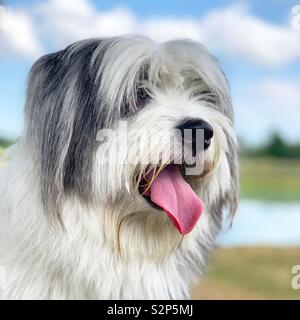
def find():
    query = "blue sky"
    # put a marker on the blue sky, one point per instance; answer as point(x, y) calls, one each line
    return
point(255, 41)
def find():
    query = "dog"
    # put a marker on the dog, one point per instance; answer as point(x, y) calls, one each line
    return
point(80, 222)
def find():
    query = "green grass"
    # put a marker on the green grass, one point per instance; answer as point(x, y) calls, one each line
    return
point(250, 273)
point(270, 179)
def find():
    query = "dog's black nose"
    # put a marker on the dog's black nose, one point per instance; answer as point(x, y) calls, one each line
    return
point(189, 129)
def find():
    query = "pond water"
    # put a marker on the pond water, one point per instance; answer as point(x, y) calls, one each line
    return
point(264, 223)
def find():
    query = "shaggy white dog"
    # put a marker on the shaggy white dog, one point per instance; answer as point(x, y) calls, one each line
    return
point(106, 195)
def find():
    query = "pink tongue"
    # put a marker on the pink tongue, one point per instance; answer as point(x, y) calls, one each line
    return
point(175, 196)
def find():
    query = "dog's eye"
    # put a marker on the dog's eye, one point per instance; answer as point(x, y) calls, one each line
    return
point(142, 96)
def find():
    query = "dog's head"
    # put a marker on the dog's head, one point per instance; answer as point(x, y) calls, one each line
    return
point(141, 130)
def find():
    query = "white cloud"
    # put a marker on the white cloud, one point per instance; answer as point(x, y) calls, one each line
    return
point(280, 95)
point(18, 36)
point(67, 21)
point(235, 32)
point(170, 28)
point(232, 30)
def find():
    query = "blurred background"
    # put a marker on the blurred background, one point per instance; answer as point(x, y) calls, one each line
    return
point(258, 46)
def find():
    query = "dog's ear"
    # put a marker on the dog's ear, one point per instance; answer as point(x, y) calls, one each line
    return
point(63, 116)
point(228, 202)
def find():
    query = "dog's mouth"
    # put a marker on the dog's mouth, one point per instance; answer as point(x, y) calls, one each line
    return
point(166, 189)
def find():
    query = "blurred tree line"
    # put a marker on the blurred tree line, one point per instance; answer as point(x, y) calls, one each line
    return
point(276, 147)
point(4, 143)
